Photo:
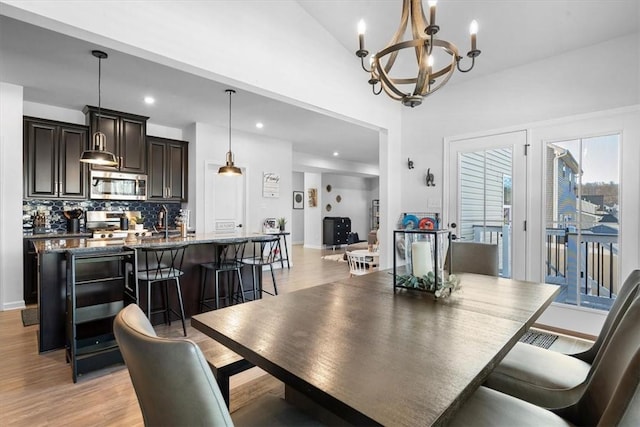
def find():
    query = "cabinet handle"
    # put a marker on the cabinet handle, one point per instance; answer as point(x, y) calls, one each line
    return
point(120, 162)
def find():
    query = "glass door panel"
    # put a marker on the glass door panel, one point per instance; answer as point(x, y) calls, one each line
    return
point(581, 215)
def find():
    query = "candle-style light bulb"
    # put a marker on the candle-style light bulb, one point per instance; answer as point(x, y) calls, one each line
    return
point(473, 30)
point(432, 11)
point(362, 27)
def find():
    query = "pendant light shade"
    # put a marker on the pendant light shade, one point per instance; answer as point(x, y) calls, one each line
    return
point(229, 168)
point(98, 155)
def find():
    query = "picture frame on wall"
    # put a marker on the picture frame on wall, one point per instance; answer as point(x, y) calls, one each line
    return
point(298, 200)
point(312, 194)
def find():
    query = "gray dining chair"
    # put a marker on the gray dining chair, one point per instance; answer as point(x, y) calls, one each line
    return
point(548, 378)
point(175, 385)
point(611, 397)
point(473, 257)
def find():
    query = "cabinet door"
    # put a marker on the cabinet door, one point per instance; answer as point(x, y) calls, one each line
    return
point(72, 173)
point(156, 187)
point(176, 171)
point(132, 151)
point(41, 157)
point(109, 125)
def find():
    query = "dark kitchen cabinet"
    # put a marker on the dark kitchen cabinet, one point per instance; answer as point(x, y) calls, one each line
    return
point(335, 230)
point(98, 287)
point(52, 153)
point(167, 169)
point(30, 268)
point(126, 138)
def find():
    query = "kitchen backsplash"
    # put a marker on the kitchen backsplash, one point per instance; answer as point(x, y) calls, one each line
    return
point(55, 220)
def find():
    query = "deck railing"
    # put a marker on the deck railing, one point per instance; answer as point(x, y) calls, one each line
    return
point(588, 268)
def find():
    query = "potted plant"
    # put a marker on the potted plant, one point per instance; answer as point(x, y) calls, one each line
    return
point(281, 223)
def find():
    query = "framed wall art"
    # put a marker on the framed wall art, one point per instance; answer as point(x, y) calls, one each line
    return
point(312, 193)
point(298, 200)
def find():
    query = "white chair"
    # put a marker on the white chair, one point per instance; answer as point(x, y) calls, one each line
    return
point(358, 264)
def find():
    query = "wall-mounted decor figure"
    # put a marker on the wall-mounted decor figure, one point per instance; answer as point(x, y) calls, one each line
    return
point(312, 193)
point(338, 198)
point(328, 207)
point(431, 181)
point(298, 200)
point(329, 188)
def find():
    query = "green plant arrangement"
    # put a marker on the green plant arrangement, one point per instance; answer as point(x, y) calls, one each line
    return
point(282, 221)
point(442, 289)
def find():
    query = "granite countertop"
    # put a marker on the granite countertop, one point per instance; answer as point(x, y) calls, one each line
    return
point(64, 242)
point(54, 235)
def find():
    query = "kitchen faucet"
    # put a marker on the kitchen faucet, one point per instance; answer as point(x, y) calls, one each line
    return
point(166, 221)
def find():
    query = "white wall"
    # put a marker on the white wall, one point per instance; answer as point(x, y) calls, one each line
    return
point(355, 202)
point(313, 215)
point(210, 144)
point(560, 86)
point(297, 215)
point(11, 274)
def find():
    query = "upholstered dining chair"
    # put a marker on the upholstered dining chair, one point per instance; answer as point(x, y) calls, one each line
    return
point(175, 385)
point(473, 257)
point(611, 396)
point(548, 378)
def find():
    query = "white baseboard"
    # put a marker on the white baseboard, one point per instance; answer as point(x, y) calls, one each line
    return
point(15, 305)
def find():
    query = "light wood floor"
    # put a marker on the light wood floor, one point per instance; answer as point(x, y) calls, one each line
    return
point(37, 390)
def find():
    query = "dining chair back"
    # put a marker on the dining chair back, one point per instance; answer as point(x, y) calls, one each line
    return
point(549, 378)
point(611, 397)
point(175, 386)
point(357, 264)
point(473, 257)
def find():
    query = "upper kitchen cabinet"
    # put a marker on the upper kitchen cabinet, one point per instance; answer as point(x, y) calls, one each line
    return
point(125, 135)
point(167, 169)
point(52, 153)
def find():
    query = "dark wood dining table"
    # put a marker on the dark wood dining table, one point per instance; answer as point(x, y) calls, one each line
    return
point(374, 357)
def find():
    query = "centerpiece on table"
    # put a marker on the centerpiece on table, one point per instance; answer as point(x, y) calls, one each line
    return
point(419, 262)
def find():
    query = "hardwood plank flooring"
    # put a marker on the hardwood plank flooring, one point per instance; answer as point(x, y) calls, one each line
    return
point(37, 390)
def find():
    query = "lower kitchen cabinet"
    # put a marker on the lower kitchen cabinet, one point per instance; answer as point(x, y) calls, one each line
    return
point(167, 169)
point(99, 285)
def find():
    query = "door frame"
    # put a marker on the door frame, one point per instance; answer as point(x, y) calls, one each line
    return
point(211, 165)
point(520, 182)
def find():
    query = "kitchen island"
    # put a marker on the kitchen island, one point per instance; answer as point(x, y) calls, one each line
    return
point(52, 274)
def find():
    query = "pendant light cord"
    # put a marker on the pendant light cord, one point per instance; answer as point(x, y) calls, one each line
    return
point(99, 91)
point(230, 92)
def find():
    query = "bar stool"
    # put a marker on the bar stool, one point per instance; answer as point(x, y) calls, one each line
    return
point(229, 256)
point(161, 264)
point(265, 252)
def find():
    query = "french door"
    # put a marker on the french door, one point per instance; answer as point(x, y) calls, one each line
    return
point(487, 190)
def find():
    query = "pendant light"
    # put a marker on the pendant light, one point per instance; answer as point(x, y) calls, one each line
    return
point(98, 155)
point(229, 168)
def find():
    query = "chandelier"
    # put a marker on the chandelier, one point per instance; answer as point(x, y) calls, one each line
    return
point(427, 47)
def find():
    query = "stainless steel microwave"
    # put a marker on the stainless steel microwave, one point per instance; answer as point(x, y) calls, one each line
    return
point(118, 186)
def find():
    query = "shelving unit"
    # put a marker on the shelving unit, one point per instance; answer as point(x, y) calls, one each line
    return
point(99, 285)
point(375, 214)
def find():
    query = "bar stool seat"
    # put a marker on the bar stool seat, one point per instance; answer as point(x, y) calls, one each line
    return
point(161, 265)
point(266, 250)
point(229, 256)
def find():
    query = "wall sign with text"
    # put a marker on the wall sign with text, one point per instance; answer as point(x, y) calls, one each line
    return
point(270, 185)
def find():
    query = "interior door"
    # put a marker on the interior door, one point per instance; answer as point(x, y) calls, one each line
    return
point(486, 193)
point(225, 201)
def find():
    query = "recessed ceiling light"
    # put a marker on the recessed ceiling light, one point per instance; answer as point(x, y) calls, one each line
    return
point(149, 100)
point(259, 125)
point(335, 153)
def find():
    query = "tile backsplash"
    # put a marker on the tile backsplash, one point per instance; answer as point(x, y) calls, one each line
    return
point(55, 220)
